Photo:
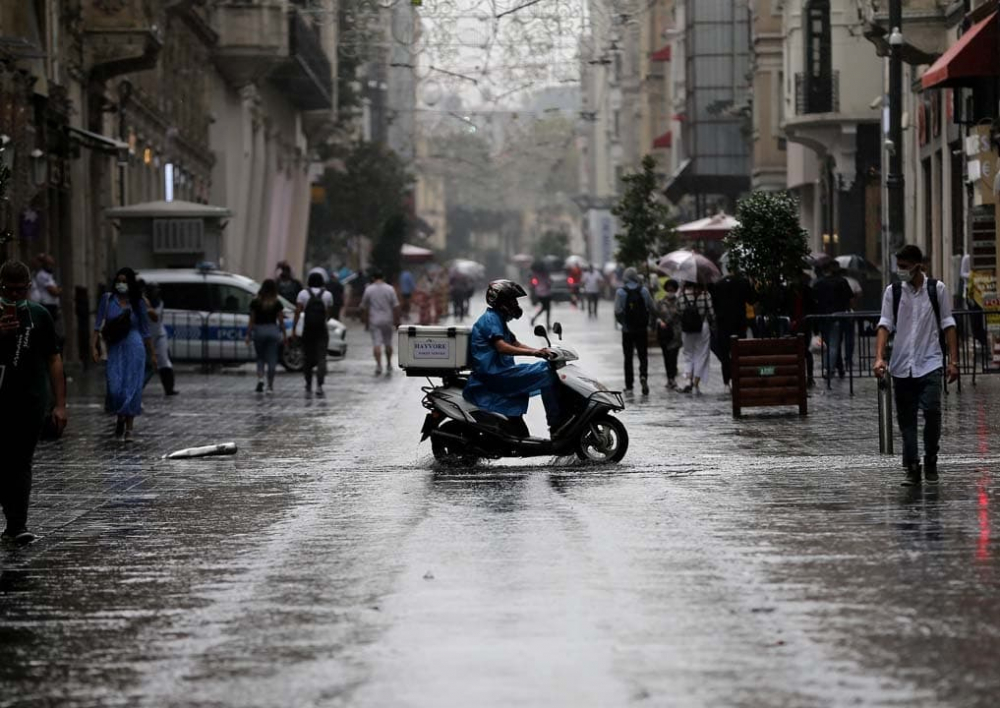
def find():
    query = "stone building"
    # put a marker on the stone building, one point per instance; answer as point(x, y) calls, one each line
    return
point(108, 103)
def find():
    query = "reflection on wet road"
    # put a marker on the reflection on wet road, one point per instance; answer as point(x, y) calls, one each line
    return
point(770, 561)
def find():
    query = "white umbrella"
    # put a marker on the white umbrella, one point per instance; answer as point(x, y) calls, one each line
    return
point(689, 267)
point(575, 260)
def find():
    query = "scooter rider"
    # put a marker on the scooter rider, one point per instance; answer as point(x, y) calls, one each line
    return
point(497, 384)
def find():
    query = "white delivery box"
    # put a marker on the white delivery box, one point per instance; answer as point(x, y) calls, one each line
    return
point(425, 349)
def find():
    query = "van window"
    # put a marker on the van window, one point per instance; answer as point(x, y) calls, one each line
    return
point(229, 298)
point(185, 296)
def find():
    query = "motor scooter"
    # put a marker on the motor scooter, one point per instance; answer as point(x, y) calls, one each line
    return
point(462, 433)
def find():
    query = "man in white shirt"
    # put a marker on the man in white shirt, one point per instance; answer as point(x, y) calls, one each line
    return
point(592, 289)
point(381, 311)
point(917, 315)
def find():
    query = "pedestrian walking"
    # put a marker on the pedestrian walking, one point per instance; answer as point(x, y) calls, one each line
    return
point(800, 305)
point(592, 282)
point(31, 378)
point(917, 311)
point(668, 330)
point(314, 305)
point(47, 293)
point(288, 287)
point(542, 284)
point(697, 322)
point(381, 311)
point(407, 286)
point(833, 296)
point(123, 323)
point(634, 308)
point(267, 332)
point(158, 333)
point(730, 297)
point(336, 289)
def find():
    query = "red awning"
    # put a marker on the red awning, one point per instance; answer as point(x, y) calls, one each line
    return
point(664, 141)
point(975, 55)
point(661, 54)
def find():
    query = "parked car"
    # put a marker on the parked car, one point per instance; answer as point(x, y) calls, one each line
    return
point(561, 287)
point(206, 315)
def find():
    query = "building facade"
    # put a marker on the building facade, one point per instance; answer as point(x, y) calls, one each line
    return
point(108, 103)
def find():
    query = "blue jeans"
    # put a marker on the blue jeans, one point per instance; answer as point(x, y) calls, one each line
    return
point(266, 338)
point(919, 393)
point(831, 339)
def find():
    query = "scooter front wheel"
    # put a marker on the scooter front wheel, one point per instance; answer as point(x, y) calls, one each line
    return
point(603, 440)
point(449, 451)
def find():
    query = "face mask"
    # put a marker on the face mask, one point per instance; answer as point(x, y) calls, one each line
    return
point(16, 303)
point(121, 288)
point(905, 276)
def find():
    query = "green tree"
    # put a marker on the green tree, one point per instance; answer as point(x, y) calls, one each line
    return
point(386, 250)
point(647, 229)
point(368, 186)
point(553, 243)
point(769, 247)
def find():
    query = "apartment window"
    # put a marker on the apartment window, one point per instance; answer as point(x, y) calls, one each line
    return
point(819, 57)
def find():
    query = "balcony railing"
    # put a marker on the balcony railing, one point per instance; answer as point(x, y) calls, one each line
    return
point(307, 77)
point(817, 94)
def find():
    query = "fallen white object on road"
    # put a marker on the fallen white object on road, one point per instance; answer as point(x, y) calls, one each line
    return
point(228, 448)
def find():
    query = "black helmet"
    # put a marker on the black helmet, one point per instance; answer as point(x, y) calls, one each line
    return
point(502, 296)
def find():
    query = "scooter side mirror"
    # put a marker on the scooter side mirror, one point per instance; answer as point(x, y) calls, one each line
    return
point(540, 331)
point(557, 329)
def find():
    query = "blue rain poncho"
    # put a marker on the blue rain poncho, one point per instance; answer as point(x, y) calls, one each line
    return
point(498, 384)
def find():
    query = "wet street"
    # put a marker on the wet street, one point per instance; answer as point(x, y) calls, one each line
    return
point(770, 561)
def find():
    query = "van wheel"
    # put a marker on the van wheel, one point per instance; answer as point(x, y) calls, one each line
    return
point(450, 452)
point(604, 440)
point(291, 356)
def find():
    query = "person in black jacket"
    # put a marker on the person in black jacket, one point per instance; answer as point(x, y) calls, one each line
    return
point(833, 295)
point(730, 297)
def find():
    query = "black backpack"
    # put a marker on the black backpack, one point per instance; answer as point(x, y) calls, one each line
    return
point(314, 314)
point(691, 319)
point(636, 312)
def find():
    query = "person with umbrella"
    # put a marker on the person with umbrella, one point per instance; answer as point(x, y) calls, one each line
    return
point(697, 324)
point(696, 311)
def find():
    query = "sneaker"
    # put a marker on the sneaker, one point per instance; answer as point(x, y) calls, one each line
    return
point(930, 471)
point(687, 389)
point(260, 387)
point(319, 392)
point(378, 370)
point(25, 538)
point(912, 478)
point(645, 387)
point(269, 390)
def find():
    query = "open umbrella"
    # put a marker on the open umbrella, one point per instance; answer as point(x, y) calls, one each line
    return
point(858, 264)
point(522, 259)
point(689, 267)
point(467, 267)
point(819, 260)
point(578, 261)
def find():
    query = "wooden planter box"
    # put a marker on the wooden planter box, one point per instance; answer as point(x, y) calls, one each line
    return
point(769, 372)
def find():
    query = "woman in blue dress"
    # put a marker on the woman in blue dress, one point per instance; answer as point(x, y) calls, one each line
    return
point(497, 384)
point(127, 356)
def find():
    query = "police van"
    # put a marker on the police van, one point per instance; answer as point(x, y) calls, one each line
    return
point(206, 313)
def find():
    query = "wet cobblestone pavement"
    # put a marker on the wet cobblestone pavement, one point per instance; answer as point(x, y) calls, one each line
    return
point(769, 561)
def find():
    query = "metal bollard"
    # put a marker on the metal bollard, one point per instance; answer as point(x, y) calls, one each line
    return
point(885, 414)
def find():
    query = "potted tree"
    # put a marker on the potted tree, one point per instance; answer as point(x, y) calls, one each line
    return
point(769, 247)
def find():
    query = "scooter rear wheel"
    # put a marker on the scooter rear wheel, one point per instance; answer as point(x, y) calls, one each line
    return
point(604, 440)
point(450, 452)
